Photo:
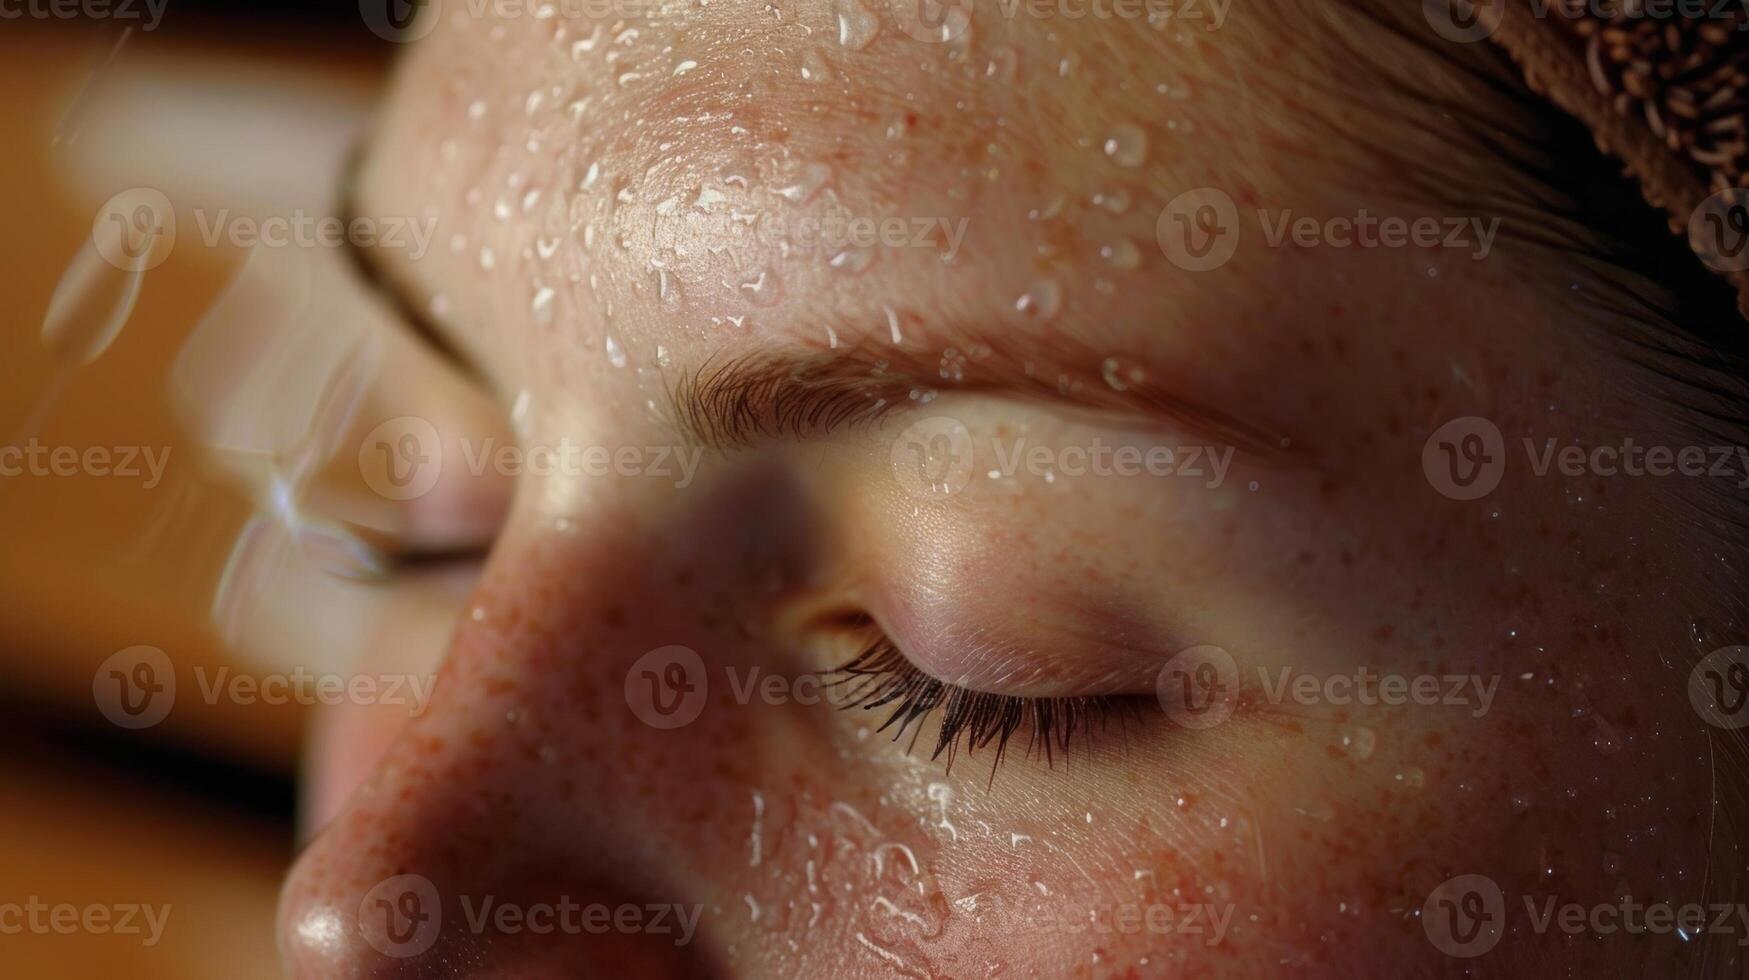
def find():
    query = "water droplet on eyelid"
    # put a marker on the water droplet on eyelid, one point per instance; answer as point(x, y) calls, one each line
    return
point(684, 67)
point(477, 109)
point(1121, 373)
point(1042, 300)
point(488, 258)
point(1127, 146)
point(893, 324)
point(953, 365)
point(615, 355)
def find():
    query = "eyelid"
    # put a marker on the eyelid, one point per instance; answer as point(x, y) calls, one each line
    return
point(882, 676)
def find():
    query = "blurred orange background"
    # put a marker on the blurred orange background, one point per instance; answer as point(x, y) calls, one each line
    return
point(196, 813)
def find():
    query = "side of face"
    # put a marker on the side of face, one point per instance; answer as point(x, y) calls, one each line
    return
point(626, 207)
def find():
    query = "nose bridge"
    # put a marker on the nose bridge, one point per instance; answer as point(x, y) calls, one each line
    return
point(560, 758)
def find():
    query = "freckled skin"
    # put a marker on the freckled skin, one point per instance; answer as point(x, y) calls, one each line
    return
point(794, 828)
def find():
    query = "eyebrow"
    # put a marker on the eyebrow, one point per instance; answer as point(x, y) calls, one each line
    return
point(800, 392)
point(804, 391)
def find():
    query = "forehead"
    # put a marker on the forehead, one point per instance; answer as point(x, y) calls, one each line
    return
point(692, 181)
point(725, 169)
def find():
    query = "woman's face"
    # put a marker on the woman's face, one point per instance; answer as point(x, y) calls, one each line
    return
point(997, 355)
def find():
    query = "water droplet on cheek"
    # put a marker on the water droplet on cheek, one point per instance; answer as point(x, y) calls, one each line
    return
point(814, 177)
point(1127, 146)
point(814, 67)
point(615, 355)
point(857, 27)
point(542, 304)
point(1004, 64)
point(1121, 254)
point(1359, 742)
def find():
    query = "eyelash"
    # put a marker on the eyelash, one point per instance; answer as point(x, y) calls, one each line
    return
point(882, 675)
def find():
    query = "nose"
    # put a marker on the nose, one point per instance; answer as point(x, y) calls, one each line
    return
point(549, 814)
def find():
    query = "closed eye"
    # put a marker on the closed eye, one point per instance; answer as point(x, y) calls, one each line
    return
point(882, 677)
